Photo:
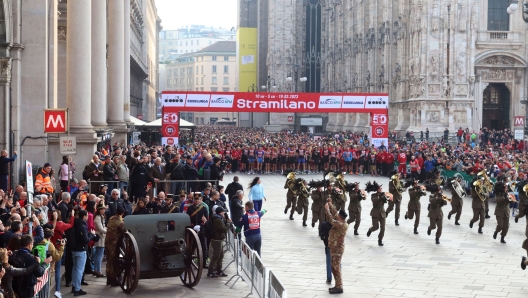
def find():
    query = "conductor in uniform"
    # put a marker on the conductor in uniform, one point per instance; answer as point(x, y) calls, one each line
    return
point(436, 216)
point(377, 213)
point(336, 243)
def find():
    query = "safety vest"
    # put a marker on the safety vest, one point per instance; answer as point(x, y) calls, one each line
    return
point(43, 181)
point(253, 221)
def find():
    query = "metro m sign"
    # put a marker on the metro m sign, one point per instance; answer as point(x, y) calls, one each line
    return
point(518, 121)
point(55, 120)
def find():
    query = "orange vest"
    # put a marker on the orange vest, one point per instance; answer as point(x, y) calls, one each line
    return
point(43, 181)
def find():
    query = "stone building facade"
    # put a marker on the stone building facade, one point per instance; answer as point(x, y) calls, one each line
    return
point(444, 63)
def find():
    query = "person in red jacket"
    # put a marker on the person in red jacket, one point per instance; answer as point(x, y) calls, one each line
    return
point(389, 161)
point(402, 159)
point(420, 161)
point(59, 227)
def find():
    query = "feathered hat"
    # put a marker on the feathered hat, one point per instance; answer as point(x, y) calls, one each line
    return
point(499, 187)
point(372, 186)
point(316, 184)
point(351, 186)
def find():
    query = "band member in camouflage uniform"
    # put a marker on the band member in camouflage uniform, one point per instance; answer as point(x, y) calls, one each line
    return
point(436, 215)
point(318, 201)
point(115, 228)
point(502, 210)
point(377, 213)
point(291, 195)
point(456, 203)
point(336, 243)
point(396, 191)
point(414, 206)
point(338, 196)
point(354, 207)
point(303, 203)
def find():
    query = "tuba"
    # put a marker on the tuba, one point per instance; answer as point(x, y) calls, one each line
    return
point(480, 189)
point(291, 176)
point(330, 177)
point(458, 188)
point(488, 185)
point(340, 180)
point(302, 188)
point(397, 184)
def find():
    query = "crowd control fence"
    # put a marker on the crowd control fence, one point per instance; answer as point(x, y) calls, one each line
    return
point(251, 269)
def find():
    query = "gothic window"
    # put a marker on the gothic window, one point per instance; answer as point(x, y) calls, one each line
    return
point(498, 18)
point(2, 22)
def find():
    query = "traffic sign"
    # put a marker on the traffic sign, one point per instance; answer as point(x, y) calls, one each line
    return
point(55, 120)
point(518, 121)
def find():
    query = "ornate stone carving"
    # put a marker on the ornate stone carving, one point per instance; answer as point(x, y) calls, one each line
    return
point(355, 81)
point(381, 78)
point(473, 18)
point(461, 67)
point(397, 74)
point(460, 117)
point(471, 86)
point(498, 60)
point(5, 66)
point(462, 18)
point(367, 80)
point(433, 116)
point(461, 89)
point(434, 68)
point(421, 91)
point(509, 86)
point(518, 76)
point(434, 88)
point(446, 89)
point(497, 74)
point(61, 33)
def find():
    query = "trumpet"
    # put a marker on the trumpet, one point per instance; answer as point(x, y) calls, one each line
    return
point(511, 198)
point(387, 196)
point(363, 194)
point(422, 190)
point(446, 199)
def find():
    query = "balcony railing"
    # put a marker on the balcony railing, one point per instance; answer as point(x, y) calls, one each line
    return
point(493, 35)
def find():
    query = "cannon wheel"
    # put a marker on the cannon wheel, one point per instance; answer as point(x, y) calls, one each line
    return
point(128, 260)
point(193, 259)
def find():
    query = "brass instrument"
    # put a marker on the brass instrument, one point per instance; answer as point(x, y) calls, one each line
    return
point(525, 189)
point(340, 180)
point(422, 190)
point(302, 188)
point(487, 182)
point(511, 198)
point(291, 176)
point(513, 185)
point(446, 199)
point(480, 189)
point(458, 188)
point(330, 177)
point(397, 184)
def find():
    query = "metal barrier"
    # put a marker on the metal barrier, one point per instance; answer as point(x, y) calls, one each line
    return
point(43, 287)
point(259, 276)
point(234, 248)
point(186, 183)
point(275, 287)
point(246, 262)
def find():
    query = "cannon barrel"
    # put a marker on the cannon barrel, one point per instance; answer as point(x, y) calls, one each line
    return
point(170, 244)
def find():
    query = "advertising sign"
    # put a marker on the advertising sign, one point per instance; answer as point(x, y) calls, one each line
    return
point(68, 145)
point(29, 177)
point(171, 120)
point(247, 58)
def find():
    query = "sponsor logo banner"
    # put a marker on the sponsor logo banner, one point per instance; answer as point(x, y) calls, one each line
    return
point(330, 102)
point(173, 100)
point(198, 100)
point(377, 102)
point(353, 102)
point(222, 101)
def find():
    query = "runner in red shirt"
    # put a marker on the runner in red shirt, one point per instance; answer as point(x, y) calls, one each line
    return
point(402, 159)
point(389, 161)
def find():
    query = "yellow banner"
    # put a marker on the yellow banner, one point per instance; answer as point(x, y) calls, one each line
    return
point(247, 59)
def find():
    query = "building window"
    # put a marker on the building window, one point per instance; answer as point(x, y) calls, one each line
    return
point(214, 89)
point(225, 89)
point(201, 88)
point(186, 43)
point(226, 69)
point(214, 68)
point(226, 80)
point(226, 58)
point(202, 119)
point(181, 43)
point(202, 67)
point(170, 43)
point(198, 42)
point(182, 82)
point(197, 89)
point(213, 81)
point(202, 80)
point(214, 58)
point(169, 83)
point(196, 69)
point(498, 18)
point(196, 81)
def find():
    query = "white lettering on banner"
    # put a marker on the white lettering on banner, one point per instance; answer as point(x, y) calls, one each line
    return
point(330, 102)
point(198, 100)
point(282, 104)
point(379, 119)
point(519, 121)
point(173, 100)
point(353, 102)
point(377, 142)
point(222, 101)
point(377, 102)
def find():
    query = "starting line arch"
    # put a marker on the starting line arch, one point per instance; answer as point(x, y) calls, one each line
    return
point(375, 104)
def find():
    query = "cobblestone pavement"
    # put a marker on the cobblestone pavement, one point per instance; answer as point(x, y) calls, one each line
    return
point(465, 264)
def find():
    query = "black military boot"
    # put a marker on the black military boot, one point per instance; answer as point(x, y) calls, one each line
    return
point(516, 219)
point(304, 223)
point(380, 242)
point(356, 232)
point(471, 225)
point(456, 223)
point(396, 222)
point(291, 216)
point(428, 231)
point(449, 216)
point(495, 235)
point(313, 224)
point(480, 231)
point(368, 233)
point(406, 217)
point(487, 215)
point(523, 263)
point(502, 239)
point(416, 230)
point(437, 240)
point(285, 210)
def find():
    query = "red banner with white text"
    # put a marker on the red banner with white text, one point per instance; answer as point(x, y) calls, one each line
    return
point(170, 126)
point(276, 102)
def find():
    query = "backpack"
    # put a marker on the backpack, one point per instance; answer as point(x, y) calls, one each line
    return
point(85, 173)
point(208, 229)
point(41, 249)
point(177, 172)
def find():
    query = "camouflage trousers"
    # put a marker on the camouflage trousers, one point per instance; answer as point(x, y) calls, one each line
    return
point(336, 266)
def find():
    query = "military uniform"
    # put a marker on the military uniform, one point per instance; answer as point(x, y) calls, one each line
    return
point(291, 197)
point(479, 209)
point(336, 243)
point(302, 206)
point(436, 215)
point(414, 207)
point(172, 208)
point(114, 230)
point(502, 213)
point(317, 207)
point(354, 208)
point(378, 215)
point(338, 200)
point(456, 206)
point(523, 204)
point(396, 200)
point(525, 243)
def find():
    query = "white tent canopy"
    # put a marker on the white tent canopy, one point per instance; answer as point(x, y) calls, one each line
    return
point(136, 121)
point(157, 122)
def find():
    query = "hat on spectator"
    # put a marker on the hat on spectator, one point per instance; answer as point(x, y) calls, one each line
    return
point(47, 165)
point(219, 210)
point(169, 196)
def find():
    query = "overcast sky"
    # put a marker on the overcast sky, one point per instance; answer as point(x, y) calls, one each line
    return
point(177, 13)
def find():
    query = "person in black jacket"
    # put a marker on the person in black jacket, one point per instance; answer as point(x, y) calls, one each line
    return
point(64, 206)
point(82, 238)
point(190, 173)
point(109, 173)
point(113, 203)
point(199, 215)
point(24, 285)
point(237, 207)
point(215, 201)
point(139, 179)
point(232, 189)
point(216, 173)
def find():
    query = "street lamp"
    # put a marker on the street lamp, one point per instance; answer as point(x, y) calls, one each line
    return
point(303, 80)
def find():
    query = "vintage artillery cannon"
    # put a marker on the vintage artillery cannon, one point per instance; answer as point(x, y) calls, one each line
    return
point(165, 247)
